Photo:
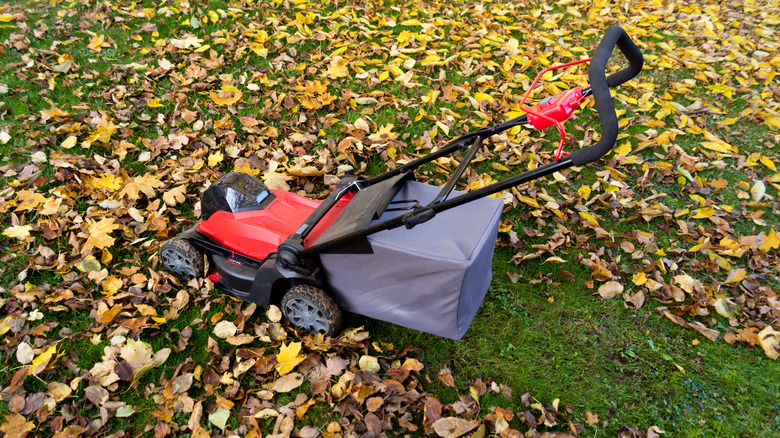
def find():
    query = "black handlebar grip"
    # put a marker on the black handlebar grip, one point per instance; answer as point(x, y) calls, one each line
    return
point(600, 85)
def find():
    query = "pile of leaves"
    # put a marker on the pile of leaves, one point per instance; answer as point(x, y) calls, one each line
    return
point(116, 116)
point(368, 387)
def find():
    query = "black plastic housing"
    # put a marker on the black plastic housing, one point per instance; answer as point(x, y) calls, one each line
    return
point(235, 192)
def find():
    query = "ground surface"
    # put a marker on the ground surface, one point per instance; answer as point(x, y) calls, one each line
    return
point(633, 296)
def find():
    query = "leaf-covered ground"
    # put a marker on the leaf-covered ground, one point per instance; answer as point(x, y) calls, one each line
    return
point(115, 116)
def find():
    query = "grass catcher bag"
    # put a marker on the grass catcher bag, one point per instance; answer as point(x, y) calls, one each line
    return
point(431, 278)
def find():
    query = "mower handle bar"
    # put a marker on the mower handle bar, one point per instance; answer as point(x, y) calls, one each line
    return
point(600, 85)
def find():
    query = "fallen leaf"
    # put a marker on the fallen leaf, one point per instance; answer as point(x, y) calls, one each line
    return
point(42, 361)
point(288, 382)
point(224, 328)
point(610, 289)
point(452, 427)
point(288, 357)
point(769, 339)
point(229, 95)
point(20, 232)
point(16, 426)
point(24, 353)
point(219, 417)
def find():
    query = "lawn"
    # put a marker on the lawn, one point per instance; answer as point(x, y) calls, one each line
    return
point(636, 296)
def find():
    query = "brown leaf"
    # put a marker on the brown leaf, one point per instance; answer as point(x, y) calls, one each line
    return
point(16, 426)
point(610, 289)
point(453, 427)
point(96, 394)
point(432, 410)
point(58, 391)
point(638, 299)
point(124, 370)
point(182, 383)
point(373, 404)
point(445, 377)
point(373, 425)
point(18, 379)
point(288, 382)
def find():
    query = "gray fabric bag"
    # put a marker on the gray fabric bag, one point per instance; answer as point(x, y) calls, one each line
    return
point(431, 278)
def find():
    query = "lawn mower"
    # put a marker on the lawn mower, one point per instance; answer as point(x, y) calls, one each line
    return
point(386, 247)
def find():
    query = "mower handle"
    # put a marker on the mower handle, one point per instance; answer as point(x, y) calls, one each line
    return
point(600, 85)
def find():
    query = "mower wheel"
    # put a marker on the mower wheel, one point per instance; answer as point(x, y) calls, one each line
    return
point(311, 309)
point(182, 259)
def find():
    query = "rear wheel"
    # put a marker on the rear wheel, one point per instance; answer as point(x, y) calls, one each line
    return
point(182, 259)
point(311, 309)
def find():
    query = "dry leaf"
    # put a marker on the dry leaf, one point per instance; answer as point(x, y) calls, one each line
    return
point(610, 289)
point(288, 357)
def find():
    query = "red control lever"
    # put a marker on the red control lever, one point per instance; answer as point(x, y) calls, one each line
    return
point(555, 109)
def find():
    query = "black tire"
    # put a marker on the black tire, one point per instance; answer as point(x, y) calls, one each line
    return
point(311, 309)
point(182, 259)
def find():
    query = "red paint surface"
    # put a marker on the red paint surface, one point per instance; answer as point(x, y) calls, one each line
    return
point(260, 232)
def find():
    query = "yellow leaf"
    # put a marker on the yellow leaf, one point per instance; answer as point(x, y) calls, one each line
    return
point(248, 169)
point(16, 426)
point(769, 339)
point(175, 195)
point(154, 103)
point(703, 213)
point(725, 307)
point(99, 234)
point(215, 158)
point(481, 97)
point(530, 201)
point(96, 43)
point(431, 60)
point(18, 231)
point(337, 69)
point(766, 161)
point(69, 142)
point(111, 285)
point(395, 70)
point(771, 241)
point(338, 51)
point(105, 129)
point(107, 181)
point(773, 123)
point(228, 96)
point(723, 148)
point(722, 89)
point(89, 264)
point(5, 18)
point(288, 357)
point(145, 184)
point(589, 218)
point(584, 191)
point(639, 278)
point(42, 361)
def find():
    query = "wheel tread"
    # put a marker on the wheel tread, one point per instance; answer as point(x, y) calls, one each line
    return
point(320, 298)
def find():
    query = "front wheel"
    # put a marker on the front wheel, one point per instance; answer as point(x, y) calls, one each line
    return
point(182, 259)
point(311, 309)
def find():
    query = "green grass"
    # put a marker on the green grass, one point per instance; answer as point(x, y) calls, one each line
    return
point(558, 341)
point(543, 333)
